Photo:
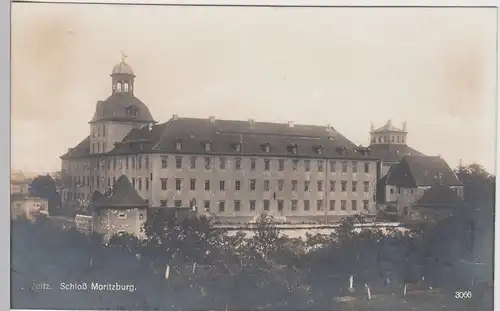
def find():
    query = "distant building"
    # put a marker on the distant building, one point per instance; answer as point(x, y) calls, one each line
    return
point(230, 170)
point(389, 143)
point(27, 207)
point(20, 186)
point(438, 202)
point(407, 181)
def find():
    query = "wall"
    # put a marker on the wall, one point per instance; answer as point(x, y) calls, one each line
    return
point(109, 223)
point(28, 208)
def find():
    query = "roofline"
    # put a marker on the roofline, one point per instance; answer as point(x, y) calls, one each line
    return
point(111, 206)
point(388, 131)
point(118, 119)
point(236, 154)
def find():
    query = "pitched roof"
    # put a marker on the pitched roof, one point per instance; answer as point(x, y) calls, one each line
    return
point(388, 127)
point(192, 133)
point(114, 108)
point(439, 195)
point(426, 169)
point(122, 194)
point(82, 149)
point(421, 171)
point(392, 153)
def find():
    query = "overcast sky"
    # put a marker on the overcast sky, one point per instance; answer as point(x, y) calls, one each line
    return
point(432, 67)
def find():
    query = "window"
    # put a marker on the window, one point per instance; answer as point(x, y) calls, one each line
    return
point(354, 167)
point(333, 166)
point(114, 163)
point(222, 185)
point(207, 185)
point(237, 147)
point(237, 206)
point(139, 162)
point(193, 163)
point(320, 186)
point(206, 205)
point(332, 205)
point(366, 205)
point(163, 162)
point(252, 164)
point(222, 206)
point(192, 183)
point(109, 164)
point(295, 164)
point(266, 185)
point(252, 205)
point(332, 185)
point(163, 183)
point(147, 183)
point(178, 184)
point(208, 146)
point(133, 159)
point(281, 184)
point(266, 205)
point(343, 205)
point(354, 186)
point(131, 110)
point(178, 145)
point(280, 205)
point(178, 162)
point(126, 162)
point(237, 185)
point(139, 181)
point(252, 184)
point(281, 164)
point(343, 185)
point(267, 164)
point(321, 166)
point(307, 185)
point(319, 205)
point(122, 216)
point(141, 216)
point(366, 186)
point(344, 166)
point(294, 185)
point(163, 203)
point(146, 162)
point(237, 164)
point(294, 205)
point(367, 167)
point(354, 205)
point(307, 165)
point(178, 203)
point(222, 163)
point(208, 163)
point(391, 191)
point(306, 205)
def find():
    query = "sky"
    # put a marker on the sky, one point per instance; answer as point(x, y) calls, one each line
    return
point(434, 68)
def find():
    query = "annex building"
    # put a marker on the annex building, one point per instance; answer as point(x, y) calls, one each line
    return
point(230, 170)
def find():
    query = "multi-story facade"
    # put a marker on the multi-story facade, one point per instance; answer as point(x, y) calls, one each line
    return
point(232, 170)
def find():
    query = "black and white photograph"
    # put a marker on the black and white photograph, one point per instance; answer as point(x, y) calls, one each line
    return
point(185, 157)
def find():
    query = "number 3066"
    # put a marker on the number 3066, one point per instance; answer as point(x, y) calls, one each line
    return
point(463, 295)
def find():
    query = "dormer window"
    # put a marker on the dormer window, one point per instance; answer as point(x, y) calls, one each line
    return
point(237, 147)
point(266, 147)
point(208, 146)
point(178, 145)
point(293, 148)
point(318, 149)
point(132, 111)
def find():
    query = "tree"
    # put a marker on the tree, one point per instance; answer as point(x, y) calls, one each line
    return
point(44, 186)
point(479, 185)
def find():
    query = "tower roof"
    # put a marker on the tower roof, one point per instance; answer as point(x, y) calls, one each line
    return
point(122, 194)
point(388, 127)
point(117, 107)
point(122, 68)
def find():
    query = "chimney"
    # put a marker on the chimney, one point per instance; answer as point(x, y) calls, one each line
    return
point(211, 119)
point(372, 126)
point(175, 117)
point(329, 127)
point(389, 122)
point(291, 124)
point(404, 126)
point(251, 121)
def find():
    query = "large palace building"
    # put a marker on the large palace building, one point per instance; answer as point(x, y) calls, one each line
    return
point(232, 170)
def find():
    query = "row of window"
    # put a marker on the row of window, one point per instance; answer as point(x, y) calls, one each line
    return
point(385, 139)
point(266, 205)
point(237, 165)
point(279, 186)
point(99, 130)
